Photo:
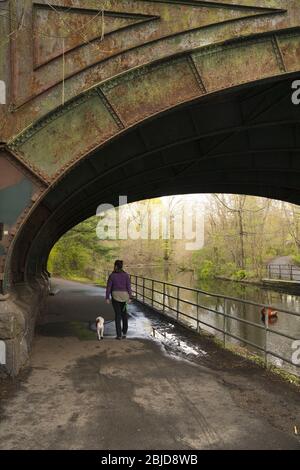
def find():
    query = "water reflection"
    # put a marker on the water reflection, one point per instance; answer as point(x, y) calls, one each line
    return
point(210, 311)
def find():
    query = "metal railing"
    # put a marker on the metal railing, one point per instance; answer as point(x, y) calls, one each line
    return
point(285, 272)
point(145, 291)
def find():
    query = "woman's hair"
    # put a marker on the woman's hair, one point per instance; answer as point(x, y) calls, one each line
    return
point(118, 266)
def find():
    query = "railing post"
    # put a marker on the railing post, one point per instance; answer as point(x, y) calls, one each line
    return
point(177, 303)
point(225, 321)
point(279, 271)
point(266, 336)
point(136, 287)
point(270, 272)
point(152, 291)
point(226, 330)
point(197, 312)
point(291, 267)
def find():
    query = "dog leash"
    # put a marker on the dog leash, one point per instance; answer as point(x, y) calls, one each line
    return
point(123, 310)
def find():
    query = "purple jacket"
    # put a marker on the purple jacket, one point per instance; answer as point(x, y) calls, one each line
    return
point(118, 281)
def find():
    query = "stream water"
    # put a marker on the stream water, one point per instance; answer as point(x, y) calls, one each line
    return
point(284, 323)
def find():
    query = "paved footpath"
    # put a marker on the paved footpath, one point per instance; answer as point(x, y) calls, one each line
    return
point(172, 391)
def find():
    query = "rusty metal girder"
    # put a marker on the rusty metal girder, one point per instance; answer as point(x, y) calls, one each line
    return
point(163, 53)
point(136, 33)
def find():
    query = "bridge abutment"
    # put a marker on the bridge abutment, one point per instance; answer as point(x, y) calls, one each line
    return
point(19, 312)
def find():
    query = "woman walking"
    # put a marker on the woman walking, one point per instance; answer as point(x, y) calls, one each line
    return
point(119, 288)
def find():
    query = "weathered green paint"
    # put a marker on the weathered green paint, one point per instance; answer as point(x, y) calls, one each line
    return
point(237, 63)
point(13, 201)
point(68, 135)
point(290, 48)
point(154, 89)
point(156, 30)
point(63, 137)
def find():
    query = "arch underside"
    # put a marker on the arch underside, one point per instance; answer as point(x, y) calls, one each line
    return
point(243, 141)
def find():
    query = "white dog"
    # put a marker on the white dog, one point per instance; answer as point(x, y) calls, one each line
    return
point(100, 327)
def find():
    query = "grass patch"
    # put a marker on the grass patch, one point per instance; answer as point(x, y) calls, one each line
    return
point(76, 329)
point(242, 352)
point(101, 281)
point(75, 278)
point(81, 332)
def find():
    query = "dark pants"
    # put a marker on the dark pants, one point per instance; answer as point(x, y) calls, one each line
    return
point(120, 314)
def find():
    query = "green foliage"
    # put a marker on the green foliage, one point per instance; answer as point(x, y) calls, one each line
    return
point(242, 234)
point(272, 252)
point(296, 259)
point(239, 275)
point(206, 270)
point(79, 254)
point(227, 269)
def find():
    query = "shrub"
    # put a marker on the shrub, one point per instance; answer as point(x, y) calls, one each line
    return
point(207, 270)
point(296, 259)
point(239, 275)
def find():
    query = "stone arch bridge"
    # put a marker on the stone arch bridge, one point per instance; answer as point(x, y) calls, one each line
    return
point(136, 97)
